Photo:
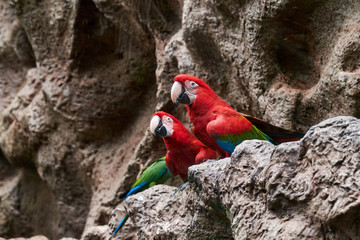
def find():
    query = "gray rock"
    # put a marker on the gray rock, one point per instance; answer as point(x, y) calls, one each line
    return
point(307, 189)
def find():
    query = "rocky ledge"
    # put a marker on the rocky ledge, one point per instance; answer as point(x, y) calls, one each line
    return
point(299, 190)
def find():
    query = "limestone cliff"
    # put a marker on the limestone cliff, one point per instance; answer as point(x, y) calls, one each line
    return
point(80, 80)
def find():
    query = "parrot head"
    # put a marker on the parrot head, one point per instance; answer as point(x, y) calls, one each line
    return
point(186, 88)
point(163, 124)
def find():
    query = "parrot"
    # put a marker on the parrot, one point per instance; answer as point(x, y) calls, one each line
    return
point(156, 173)
point(183, 148)
point(216, 123)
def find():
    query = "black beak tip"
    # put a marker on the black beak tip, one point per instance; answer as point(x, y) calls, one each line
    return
point(161, 131)
point(183, 97)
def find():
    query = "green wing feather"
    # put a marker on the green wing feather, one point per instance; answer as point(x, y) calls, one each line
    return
point(230, 128)
point(156, 172)
point(252, 133)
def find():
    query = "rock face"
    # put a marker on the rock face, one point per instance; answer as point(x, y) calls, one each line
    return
point(80, 80)
point(300, 190)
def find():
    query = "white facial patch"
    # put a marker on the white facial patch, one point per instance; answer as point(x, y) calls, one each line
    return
point(169, 124)
point(191, 90)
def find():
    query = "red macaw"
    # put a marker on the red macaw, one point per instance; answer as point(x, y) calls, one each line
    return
point(183, 148)
point(216, 123)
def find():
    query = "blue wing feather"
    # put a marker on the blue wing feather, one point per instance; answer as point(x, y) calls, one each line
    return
point(228, 146)
point(136, 189)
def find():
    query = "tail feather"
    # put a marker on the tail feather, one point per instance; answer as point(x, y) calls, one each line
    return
point(285, 136)
point(121, 224)
point(276, 134)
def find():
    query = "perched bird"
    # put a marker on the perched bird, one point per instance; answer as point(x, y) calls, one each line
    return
point(183, 148)
point(156, 173)
point(216, 123)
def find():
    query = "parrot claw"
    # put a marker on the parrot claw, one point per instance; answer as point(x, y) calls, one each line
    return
point(182, 187)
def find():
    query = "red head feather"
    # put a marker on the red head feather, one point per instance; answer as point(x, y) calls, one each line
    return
point(183, 148)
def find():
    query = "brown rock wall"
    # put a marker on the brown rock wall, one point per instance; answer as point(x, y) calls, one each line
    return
point(80, 80)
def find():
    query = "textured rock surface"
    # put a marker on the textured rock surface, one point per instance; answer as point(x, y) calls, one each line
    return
point(74, 77)
point(38, 237)
point(300, 190)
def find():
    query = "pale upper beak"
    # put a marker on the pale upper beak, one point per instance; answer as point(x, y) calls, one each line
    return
point(179, 94)
point(176, 90)
point(157, 127)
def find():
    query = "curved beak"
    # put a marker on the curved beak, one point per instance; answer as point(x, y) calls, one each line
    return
point(157, 127)
point(179, 94)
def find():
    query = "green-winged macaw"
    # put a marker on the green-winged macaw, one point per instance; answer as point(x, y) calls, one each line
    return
point(216, 123)
point(156, 173)
point(183, 148)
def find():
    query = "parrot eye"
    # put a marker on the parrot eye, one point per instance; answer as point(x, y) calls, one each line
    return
point(193, 84)
point(169, 119)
